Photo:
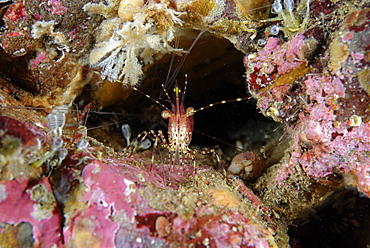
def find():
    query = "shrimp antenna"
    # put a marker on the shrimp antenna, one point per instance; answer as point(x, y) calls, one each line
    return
point(171, 79)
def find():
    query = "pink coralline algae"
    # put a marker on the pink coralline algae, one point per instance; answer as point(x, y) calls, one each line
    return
point(119, 211)
point(326, 112)
point(123, 201)
point(35, 204)
point(57, 7)
point(282, 57)
point(324, 145)
point(58, 181)
point(14, 17)
point(38, 60)
point(277, 58)
point(27, 26)
point(271, 74)
point(17, 129)
point(16, 11)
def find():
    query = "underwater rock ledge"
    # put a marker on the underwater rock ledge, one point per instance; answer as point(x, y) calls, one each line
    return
point(60, 187)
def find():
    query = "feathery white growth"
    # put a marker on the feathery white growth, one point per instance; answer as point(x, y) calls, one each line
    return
point(42, 27)
point(106, 10)
point(125, 46)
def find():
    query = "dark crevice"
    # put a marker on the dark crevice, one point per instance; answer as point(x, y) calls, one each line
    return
point(213, 76)
point(341, 221)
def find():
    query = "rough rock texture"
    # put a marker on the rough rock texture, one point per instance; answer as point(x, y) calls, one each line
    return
point(22, 202)
point(325, 109)
point(120, 201)
point(44, 45)
point(307, 67)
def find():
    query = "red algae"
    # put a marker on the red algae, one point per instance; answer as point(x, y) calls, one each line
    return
point(127, 215)
point(329, 127)
point(328, 144)
point(311, 78)
point(16, 12)
point(57, 7)
point(17, 129)
point(34, 204)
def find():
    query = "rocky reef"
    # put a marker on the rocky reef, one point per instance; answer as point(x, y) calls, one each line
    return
point(291, 83)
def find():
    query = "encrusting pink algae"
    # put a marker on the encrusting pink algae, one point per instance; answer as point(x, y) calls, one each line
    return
point(63, 184)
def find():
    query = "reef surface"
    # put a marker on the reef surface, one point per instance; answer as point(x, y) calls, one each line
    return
point(295, 172)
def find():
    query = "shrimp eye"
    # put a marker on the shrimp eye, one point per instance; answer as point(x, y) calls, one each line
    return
point(189, 111)
point(166, 114)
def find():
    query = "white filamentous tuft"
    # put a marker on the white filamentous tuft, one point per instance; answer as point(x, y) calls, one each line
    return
point(124, 46)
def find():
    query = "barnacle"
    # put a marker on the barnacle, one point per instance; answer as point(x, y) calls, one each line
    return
point(133, 35)
point(248, 165)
